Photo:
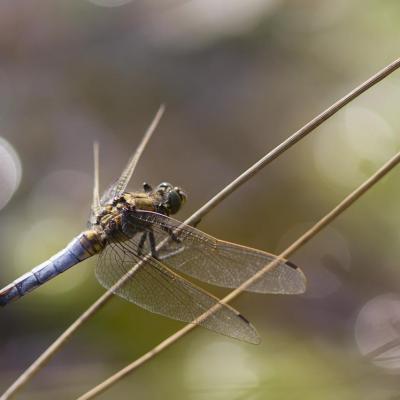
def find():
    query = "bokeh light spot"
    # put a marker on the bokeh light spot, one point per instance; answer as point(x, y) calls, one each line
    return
point(223, 365)
point(351, 148)
point(377, 330)
point(10, 171)
point(197, 22)
point(368, 133)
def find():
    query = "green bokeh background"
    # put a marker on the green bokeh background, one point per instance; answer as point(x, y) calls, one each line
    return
point(237, 78)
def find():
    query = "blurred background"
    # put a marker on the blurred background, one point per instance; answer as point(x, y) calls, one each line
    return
point(237, 78)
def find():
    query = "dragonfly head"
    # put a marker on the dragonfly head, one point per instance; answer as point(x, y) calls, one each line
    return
point(172, 197)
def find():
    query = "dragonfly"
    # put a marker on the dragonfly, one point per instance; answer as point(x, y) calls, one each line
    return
point(143, 252)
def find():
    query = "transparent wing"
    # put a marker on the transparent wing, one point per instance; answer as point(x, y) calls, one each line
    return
point(129, 169)
point(96, 206)
point(158, 289)
point(118, 187)
point(108, 195)
point(214, 261)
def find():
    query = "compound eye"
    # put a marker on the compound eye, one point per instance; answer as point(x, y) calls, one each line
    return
point(181, 194)
point(174, 201)
point(164, 186)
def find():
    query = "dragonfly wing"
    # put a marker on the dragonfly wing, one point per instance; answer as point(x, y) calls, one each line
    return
point(130, 167)
point(109, 194)
point(156, 288)
point(118, 187)
point(215, 261)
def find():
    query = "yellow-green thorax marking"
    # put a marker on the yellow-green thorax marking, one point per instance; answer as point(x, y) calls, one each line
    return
point(164, 199)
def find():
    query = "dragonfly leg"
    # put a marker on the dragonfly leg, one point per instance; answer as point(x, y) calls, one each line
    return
point(166, 254)
point(153, 249)
point(152, 242)
point(171, 233)
point(141, 244)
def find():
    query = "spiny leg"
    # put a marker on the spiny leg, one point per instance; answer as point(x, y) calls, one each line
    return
point(141, 244)
point(171, 233)
point(153, 249)
point(174, 238)
point(152, 242)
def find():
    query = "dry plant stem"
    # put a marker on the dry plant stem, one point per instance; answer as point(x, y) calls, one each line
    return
point(291, 140)
point(196, 217)
point(326, 220)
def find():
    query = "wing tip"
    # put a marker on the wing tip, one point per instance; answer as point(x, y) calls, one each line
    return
point(254, 338)
point(255, 341)
point(302, 287)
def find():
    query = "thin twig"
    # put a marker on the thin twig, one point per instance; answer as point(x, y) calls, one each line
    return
point(292, 140)
point(199, 214)
point(96, 206)
point(323, 222)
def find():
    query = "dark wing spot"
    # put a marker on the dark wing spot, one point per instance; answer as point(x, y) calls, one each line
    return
point(291, 265)
point(244, 319)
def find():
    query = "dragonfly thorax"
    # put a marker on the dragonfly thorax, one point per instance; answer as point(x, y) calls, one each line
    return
point(165, 199)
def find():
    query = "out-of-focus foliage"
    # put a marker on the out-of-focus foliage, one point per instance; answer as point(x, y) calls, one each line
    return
point(237, 78)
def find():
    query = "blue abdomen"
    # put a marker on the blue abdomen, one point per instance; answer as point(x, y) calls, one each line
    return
point(83, 246)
